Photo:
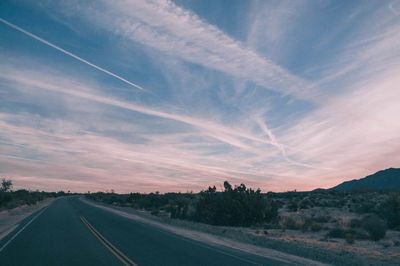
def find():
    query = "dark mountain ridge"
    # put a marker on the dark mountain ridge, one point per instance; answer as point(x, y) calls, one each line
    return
point(384, 179)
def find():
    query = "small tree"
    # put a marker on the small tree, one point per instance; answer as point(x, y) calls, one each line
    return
point(5, 185)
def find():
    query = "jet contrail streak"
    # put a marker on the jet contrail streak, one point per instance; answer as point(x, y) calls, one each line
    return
point(70, 54)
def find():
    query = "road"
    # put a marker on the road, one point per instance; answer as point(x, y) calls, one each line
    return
point(71, 232)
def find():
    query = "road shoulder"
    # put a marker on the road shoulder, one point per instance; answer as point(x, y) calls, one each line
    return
point(10, 219)
point(210, 239)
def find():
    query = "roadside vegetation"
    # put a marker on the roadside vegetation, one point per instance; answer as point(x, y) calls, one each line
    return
point(239, 206)
point(10, 199)
point(330, 214)
point(350, 215)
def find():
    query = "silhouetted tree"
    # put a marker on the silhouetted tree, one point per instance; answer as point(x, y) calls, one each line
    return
point(5, 185)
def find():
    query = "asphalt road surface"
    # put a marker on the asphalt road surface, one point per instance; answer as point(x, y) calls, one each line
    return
point(70, 232)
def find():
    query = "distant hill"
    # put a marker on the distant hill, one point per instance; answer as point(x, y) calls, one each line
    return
point(385, 179)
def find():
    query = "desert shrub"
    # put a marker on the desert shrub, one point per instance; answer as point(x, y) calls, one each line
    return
point(305, 204)
point(288, 223)
point(361, 234)
point(350, 238)
point(337, 233)
point(375, 226)
point(355, 223)
point(13, 204)
point(5, 197)
point(240, 206)
point(365, 207)
point(155, 212)
point(322, 219)
point(315, 227)
point(347, 234)
point(292, 206)
point(389, 210)
point(177, 204)
point(178, 207)
point(305, 224)
point(12, 199)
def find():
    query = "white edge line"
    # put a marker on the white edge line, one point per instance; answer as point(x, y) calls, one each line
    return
point(22, 229)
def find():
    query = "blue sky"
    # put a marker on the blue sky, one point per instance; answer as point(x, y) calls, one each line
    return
point(178, 95)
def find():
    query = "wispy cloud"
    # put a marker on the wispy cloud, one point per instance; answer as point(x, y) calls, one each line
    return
point(99, 161)
point(353, 134)
point(181, 33)
point(231, 136)
point(218, 112)
point(168, 151)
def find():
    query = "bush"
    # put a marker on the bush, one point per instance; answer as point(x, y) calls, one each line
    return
point(4, 198)
point(12, 199)
point(315, 227)
point(355, 223)
point(288, 223)
point(350, 235)
point(375, 227)
point(306, 224)
point(322, 219)
point(365, 207)
point(293, 206)
point(305, 204)
point(337, 233)
point(237, 207)
point(350, 238)
point(390, 211)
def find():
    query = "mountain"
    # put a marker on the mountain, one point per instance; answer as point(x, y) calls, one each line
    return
point(385, 179)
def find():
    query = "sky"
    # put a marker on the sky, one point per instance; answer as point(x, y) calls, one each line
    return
point(155, 95)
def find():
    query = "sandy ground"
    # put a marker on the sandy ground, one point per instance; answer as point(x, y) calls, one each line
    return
point(10, 219)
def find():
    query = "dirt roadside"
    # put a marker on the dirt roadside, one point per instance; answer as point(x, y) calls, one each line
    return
point(10, 219)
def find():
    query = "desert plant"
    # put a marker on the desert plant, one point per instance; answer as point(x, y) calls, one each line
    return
point(315, 227)
point(240, 206)
point(337, 233)
point(289, 223)
point(375, 226)
point(365, 207)
point(389, 210)
point(350, 238)
point(292, 206)
point(322, 219)
point(355, 223)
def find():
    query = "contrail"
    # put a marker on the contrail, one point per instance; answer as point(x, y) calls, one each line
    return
point(70, 54)
point(279, 146)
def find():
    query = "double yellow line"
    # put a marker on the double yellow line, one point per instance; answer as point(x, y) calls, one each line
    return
point(117, 253)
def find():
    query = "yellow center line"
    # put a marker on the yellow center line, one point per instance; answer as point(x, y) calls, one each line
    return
point(108, 242)
point(117, 253)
